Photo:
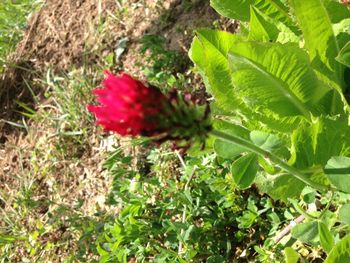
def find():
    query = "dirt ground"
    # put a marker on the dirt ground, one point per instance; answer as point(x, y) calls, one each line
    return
point(67, 34)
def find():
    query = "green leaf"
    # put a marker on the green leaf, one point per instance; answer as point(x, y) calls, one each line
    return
point(344, 214)
point(314, 144)
point(344, 55)
point(276, 76)
point(261, 29)
point(235, 9)
point(306, 232)
point(244, 170)
point(341, 252)
point(336, 11)
point(326, 237)
point(240, 9)
point(280, 186)
point(338, 172)
point(320, 41)
point(209, 52)
point(264, 28)
point(291, 255)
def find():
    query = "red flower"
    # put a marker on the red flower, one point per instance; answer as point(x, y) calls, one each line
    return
point(130, 108)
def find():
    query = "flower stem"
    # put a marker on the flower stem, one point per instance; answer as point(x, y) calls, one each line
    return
point(270, 156)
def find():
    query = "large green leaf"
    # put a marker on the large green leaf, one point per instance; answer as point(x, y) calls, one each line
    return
point(261, 28)
point(266, 141)
point(270, 142)
point(235, 9)
point(314, 144)
point(336, 11)
point(315, 23)
point(341, 252)
point(239, 9)
point(264, 28)
point(276, 76)
point(338, 172)
point(209, 52)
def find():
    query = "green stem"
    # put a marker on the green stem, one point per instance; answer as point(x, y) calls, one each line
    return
point(270, 156)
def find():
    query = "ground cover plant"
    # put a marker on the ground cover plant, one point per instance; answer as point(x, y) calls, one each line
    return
point(261, 177)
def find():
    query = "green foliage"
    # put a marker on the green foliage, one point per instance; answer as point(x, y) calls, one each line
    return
point(161, 63)
point(182, 215)
point(316, 24)
point(284, 82)
point(306, 232)
point(269, 82)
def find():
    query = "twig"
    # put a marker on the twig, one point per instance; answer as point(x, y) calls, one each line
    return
point(181, 159)
point(288, 228)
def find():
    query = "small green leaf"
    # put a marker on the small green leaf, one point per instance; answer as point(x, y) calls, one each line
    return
point(326, 238)
point(306, 232)
point(341, 252)
point(291, 255)
point(338, 172)
point(344, 214)
point(244, 170)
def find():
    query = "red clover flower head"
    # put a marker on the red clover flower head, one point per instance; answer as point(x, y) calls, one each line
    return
point(130, 108)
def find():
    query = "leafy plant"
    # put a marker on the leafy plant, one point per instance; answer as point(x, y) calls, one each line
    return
point(161, 63)
point(186, 214)
point(280, 85)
